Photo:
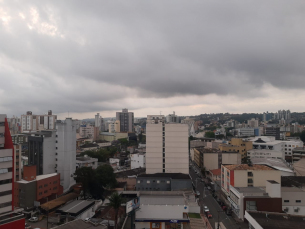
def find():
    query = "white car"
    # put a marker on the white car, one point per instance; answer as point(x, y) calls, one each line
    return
point(197, 193)
point(33, 219)
point(206, 209)
point(87, 219)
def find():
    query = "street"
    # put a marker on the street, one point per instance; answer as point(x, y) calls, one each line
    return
point(206, 199)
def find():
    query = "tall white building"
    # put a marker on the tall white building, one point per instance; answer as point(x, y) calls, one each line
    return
point(33, 123)
point(55, 151)
point(166, 146)
point(66, 151)
point(172, 118)
point(253, 122)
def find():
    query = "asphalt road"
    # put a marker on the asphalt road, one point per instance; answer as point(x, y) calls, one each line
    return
point(207, 199)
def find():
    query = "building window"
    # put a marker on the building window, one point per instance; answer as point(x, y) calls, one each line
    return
point(298, 201)
point(250, 174)
point(286, 201)
point(250, 205)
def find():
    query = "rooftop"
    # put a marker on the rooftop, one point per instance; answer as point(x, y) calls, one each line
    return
point(80, 224)
point(247, 167)
point(250, 190)
point(162, 200)
point(300, 149)
point(170, 175)
point(216, 172)
point(278, 164)
point(293, 181)
point(75, 207)
point(131, 172)
point(41, 177)
point(271, 220)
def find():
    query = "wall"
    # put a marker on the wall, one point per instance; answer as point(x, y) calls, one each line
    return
point(266, 204)
point(153, 184)
point(27, 194)
point(49, 150)
point(292, 194)
point(18, 224)
point(48, 186)
point(161, 212)
point(210, 161)
point(131, 182)
point(66, 150)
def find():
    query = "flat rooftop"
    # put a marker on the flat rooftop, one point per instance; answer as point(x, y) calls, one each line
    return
point(271, 220)
point(250, 190)
point(41, 177)
point(247, 167)
point(80, 224)
point(275, 163)
point(164, 175)
point(161, 200)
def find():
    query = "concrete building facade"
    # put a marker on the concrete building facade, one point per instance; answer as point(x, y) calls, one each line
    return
point(137, 160)
point(126, 120)
point(33, 123)
point(166, 147)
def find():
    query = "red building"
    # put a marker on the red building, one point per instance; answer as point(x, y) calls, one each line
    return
point(8, 218)
point(32, 188)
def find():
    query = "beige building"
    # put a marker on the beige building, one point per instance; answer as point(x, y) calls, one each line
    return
point(243, 175)
point(213, 159)
point(33, 123)
point(166, 146)
point(237, 145)
point(86, 131)
point(293, 195)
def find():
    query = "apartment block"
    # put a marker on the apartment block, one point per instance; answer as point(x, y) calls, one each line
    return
point(243, 175)
point(33, 123)
point(237, 145)
point(213, 158)
point(166, 146)
point(34, 188)
point(126, 120)
point(55, 151)
point(8, 218)
point(6, 166)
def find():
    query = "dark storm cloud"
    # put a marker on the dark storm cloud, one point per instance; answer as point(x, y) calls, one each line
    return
point(82, 55)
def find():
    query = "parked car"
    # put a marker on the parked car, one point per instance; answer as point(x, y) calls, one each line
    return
point(206, 209)
point(87, 219)
point(208, 214)
point(26, 226)
point(33, 219)
point(229, 212)
point(197, 193)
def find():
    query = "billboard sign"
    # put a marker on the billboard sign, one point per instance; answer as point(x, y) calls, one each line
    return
point(133, 204)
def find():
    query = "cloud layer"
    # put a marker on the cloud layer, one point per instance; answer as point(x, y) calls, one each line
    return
point(100, 56)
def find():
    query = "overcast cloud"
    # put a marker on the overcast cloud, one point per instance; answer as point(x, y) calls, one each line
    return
point(149, 56)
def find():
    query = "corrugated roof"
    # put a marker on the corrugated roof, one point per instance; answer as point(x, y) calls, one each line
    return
point(247, 167)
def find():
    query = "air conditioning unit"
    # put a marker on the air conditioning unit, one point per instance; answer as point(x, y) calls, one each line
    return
point(296, 209)
point(286, 209)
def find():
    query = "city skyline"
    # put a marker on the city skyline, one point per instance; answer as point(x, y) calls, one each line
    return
point(188, 57)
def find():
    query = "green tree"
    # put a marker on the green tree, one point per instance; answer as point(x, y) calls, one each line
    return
point(85, 176)
point(246, 160)
point(302, 136)
point(105, 176)
point(209, 134)
point(115, 201)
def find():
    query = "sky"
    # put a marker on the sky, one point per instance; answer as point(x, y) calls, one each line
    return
point(79, 57)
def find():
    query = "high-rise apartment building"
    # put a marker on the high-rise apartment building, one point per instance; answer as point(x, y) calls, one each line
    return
point(166, 146)
point(6, 166)
point(126, 120)
point(8, 218)
point(172, 118)
point(33, 123)
point(253, 122)
point(55, 151)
